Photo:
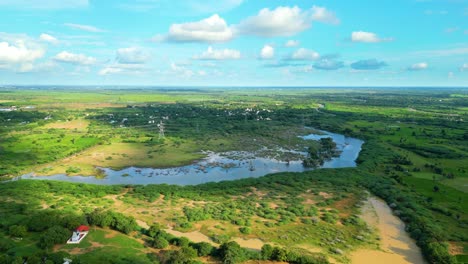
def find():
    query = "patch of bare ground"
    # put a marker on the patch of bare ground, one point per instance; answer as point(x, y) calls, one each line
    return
point(254, 243)
point(326, 195)
point(396, 245)
point(142, 224)
point(455, 248)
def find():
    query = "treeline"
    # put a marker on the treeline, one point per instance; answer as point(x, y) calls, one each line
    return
point(413, 209)
point(229, 252)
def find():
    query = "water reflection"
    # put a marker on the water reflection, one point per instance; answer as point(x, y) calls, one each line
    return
point(218, 167)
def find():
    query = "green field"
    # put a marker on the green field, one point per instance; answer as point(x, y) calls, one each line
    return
point(415, 157)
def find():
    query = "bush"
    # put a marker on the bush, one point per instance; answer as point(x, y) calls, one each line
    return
point(160, 243)
point(203, 249)
point(245, 230)
point(232, 253)
point(54, 235)
point(17, 231)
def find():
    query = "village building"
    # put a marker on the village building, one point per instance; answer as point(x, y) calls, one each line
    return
point(78, 234)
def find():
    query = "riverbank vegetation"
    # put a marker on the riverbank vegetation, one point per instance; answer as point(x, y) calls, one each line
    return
point(414, 158)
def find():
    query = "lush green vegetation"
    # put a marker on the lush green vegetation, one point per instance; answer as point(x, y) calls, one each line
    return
point(414, 158)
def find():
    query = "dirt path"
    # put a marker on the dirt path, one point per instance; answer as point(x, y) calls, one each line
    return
point(397, 247)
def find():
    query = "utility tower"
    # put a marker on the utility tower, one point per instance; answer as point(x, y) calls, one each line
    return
point(161, 130)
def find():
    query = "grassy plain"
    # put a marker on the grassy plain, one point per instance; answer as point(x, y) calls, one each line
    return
point(415, 157)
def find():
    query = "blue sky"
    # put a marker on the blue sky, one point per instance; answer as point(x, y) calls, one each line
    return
point(234, 42)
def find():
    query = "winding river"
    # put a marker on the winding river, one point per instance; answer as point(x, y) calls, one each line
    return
point(217, 167)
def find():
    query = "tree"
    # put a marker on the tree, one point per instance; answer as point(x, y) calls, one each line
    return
point(160, 242)
point(17, 231)
point(231, 253)
point(267, 252)
point(52, 236)
point(203, 248)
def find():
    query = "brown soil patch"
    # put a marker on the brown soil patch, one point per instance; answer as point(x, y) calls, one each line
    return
point(109, 235)
point(273, 205)
point(326, 195)
point(254, 243)
point(456, 248)
point(194, 236)
point(142, 224)
point(397, 247)
point(344, 206)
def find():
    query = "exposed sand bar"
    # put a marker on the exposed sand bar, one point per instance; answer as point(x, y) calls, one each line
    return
point(396, 245)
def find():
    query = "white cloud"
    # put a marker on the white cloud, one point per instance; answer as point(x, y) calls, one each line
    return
point(132, 55)
point(48, 38)
point(44, 4)
point(292, 43)
point(323, 15)
point(19, 52)
point(464, 67)
point(122, 68)
point(213, 54)
point(304, 54)
point(418, 66)
point(367, 37)
point(267, 52)
point(212, 29)
point(284, 21)
point(181, 70)
point(71, 58)
point(87, 28)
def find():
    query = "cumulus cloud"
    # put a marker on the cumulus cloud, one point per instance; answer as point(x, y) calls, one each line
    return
point(48, 38)
point(267, 52)
point(87, 28)
point(72, 58)
point(367, 37)
point(328, 64)
point(212, 29)
point(323, 15)
point(19, 52)
point(291, 43)
point(303, 54)
point(132, 55)
point(371, 64)
point(223, 54)
point(284, 21)
point(418, 66)
point(44, 4)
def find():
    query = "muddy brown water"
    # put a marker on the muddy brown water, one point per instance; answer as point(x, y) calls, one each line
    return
point(396, 245)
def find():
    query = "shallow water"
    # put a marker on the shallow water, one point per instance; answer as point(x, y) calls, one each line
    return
point(396, 245)
point(217, 167)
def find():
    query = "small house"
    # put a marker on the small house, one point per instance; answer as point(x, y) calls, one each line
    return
point(78, 234)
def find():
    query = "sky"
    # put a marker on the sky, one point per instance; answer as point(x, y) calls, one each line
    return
point(234, 42)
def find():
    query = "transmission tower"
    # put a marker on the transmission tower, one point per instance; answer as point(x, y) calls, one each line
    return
point(161, 130)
